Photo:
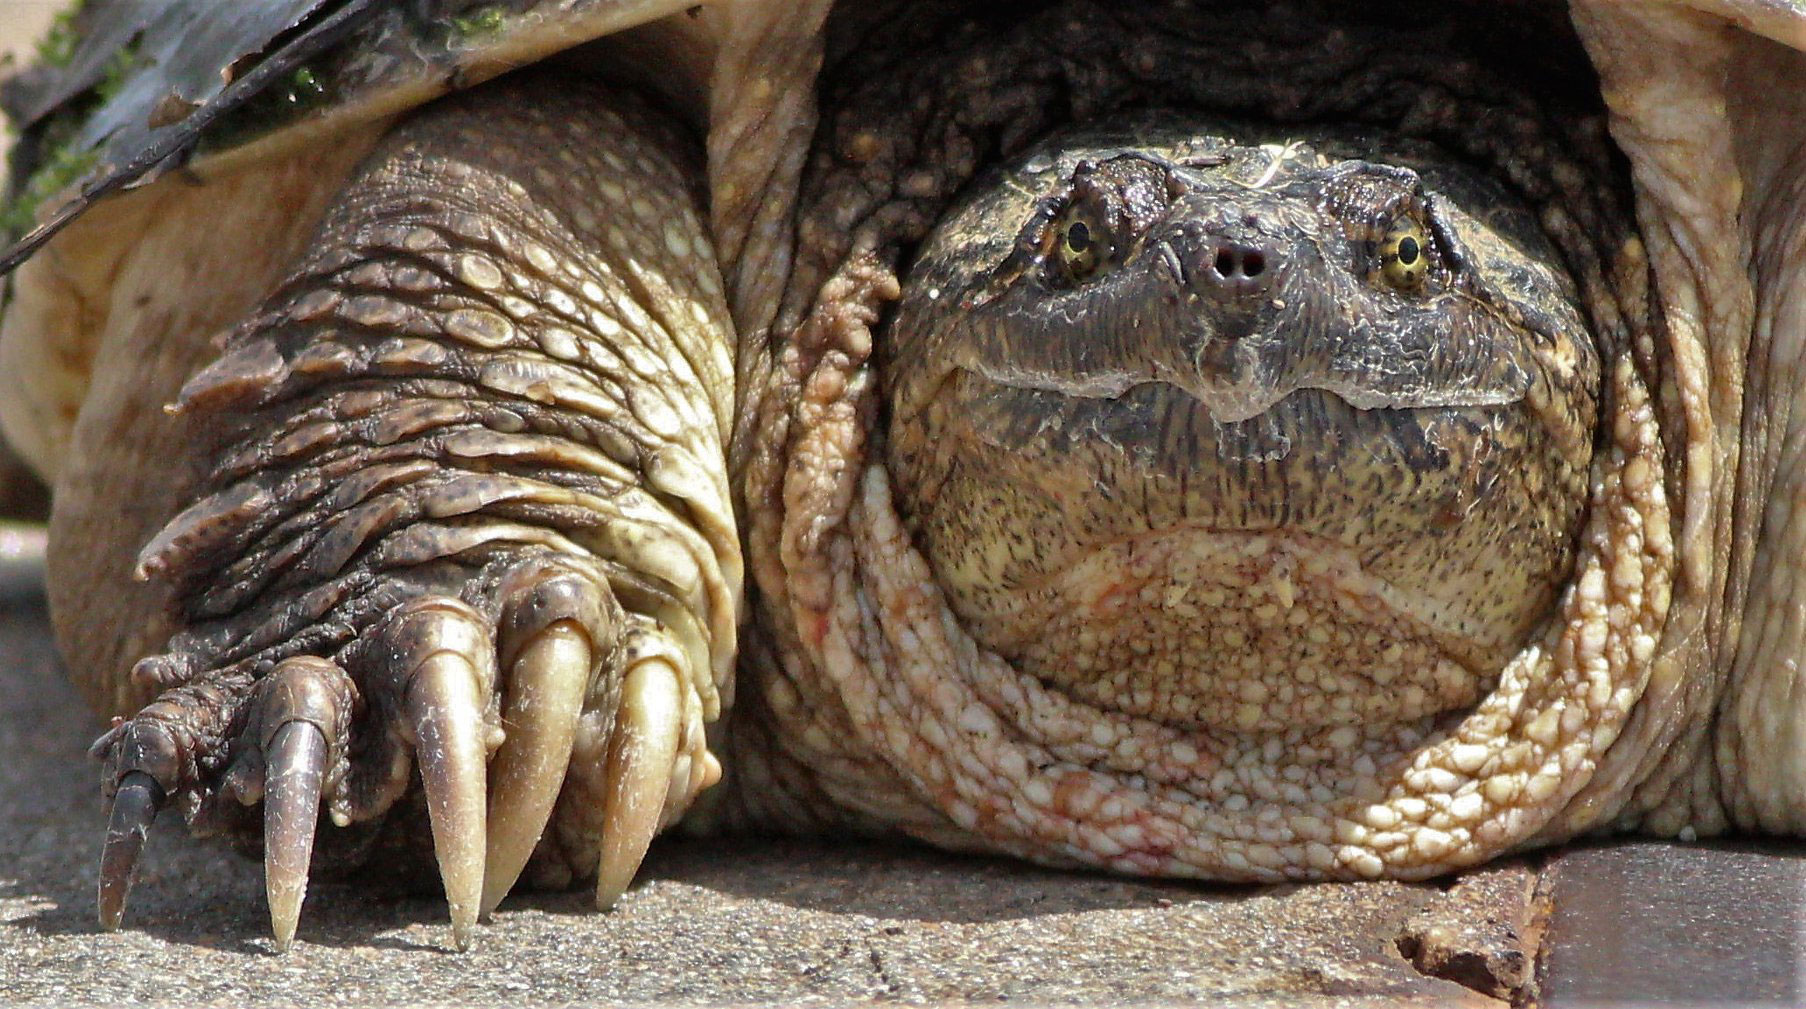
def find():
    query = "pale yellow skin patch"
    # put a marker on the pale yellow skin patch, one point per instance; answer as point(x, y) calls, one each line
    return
point(1242, 631)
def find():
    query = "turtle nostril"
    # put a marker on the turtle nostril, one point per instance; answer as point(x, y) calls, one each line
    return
point(1235, 260)
point(1238, 268)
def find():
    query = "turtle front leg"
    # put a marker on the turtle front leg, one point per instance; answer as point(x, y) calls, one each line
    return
point(463, 508)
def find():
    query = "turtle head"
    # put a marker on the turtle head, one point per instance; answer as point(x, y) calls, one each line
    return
point(1245, 434)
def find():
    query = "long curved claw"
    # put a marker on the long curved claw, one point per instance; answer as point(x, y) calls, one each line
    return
point(135, 804)
point(641, 754)
point(545, 699)
point(295, 767)
point(446, 713)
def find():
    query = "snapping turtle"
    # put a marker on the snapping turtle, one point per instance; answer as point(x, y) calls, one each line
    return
point(1338, 441)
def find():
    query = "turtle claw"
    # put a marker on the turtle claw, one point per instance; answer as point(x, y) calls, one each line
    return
point(296, 765)
point(447, 720)
point(642, 753)
point(546, 686)
point(447, 660)
point(303, 707)
point(135, 804)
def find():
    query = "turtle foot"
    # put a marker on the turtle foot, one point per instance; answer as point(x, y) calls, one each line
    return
point(451, 559)
point(493, 697)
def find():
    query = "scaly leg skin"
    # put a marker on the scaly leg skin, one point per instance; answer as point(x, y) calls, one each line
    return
point(464, 509)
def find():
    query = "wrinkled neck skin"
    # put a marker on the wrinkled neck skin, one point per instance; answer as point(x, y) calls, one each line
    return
point(1708, 116)
point(872, 697)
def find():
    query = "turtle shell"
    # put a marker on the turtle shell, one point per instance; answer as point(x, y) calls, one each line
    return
point(126, 90)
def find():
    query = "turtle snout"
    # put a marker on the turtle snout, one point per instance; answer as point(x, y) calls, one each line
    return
point(1229, 262)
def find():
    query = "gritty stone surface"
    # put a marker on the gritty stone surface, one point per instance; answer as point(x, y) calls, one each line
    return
point(725, 921)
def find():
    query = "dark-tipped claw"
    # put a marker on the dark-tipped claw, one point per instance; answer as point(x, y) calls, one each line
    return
point(135, 804)
point(294, 769)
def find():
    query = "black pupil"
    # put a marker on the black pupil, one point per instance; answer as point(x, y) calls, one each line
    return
point(1407, 250)
point(1078, 237)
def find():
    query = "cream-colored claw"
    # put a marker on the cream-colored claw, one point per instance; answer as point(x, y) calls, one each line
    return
point(546, 688)
point(445, 709)
point(640, 757)
point(294, 769)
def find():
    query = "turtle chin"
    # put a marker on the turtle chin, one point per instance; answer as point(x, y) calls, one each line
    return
point(1239, 630)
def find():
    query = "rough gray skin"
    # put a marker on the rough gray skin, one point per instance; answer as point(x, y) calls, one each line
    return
point(461, 491)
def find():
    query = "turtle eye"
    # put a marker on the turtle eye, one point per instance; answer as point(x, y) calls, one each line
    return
point(1404, 255)
point(1080, 244)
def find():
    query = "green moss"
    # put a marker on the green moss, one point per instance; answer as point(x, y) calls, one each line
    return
point(57, 47)
point(62, 169)
point(305, 89)
point(478, 23)
point(60, 164)
point(113, 75)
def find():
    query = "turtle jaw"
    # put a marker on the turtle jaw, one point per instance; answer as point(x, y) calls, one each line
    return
point(1316, 565)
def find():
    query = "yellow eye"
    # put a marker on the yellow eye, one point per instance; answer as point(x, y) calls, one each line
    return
point(1079, 244)
point(1404, 256)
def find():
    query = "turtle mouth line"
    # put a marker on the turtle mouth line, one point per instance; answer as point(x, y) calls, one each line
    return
point(1226, 398)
